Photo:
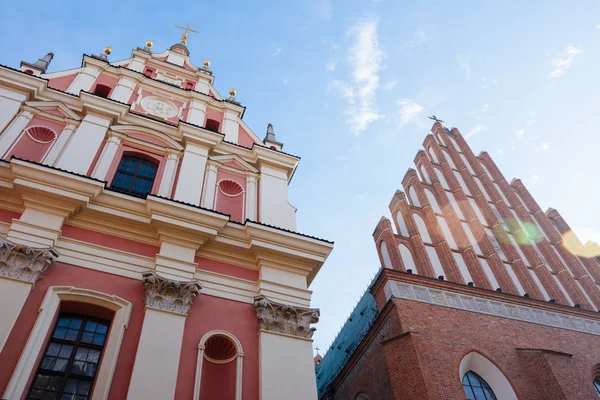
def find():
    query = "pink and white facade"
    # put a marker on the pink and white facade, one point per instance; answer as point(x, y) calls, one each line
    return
point(147, 246)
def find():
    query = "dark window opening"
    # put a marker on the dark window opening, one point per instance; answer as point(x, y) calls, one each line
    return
point(212, 125)
point(71, 360)
point(102, 90)
point(28, 71)
point(135, 176)
point(476, 388)
point(149, 72)
point(597, 385)
point(189, 85)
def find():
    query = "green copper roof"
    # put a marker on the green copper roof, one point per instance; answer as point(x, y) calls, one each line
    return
point(354, 330)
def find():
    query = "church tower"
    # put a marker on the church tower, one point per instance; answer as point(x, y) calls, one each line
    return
point(147, 246)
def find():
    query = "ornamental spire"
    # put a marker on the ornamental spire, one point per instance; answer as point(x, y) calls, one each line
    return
point(186, 33)
point(40, 66)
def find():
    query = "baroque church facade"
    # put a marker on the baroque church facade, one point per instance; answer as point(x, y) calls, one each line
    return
point(481, 294)
point(147, 246)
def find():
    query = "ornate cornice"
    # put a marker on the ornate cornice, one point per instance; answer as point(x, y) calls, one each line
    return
point(168, 294)
point(283, 318)
point(24, 263)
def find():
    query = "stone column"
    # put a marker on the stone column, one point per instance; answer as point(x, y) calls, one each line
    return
point(84, 144)
point(123, 90)
point(84, 80)
point(251, 199)
point(156, 364)
point(191, 174)
point(208, 197)
point(60, 144)
point(286, 368)
point(197, 113)
point(113, 141)
point(231, 126)
point(20, 267)
point(168, 178)
point(13, 131)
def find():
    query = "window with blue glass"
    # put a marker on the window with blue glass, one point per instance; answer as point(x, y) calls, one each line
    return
point(71, 360)
point(135, 176)
point(597, 385)
point(476, 388)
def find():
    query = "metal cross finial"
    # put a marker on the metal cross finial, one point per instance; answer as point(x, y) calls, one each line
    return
point(436, 119)
point(186, 33)
point(317, 349)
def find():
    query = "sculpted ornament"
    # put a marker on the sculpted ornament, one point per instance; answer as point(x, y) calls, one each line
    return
point(168, 294)
point(159, 107)
point(24, 263)
point(284, 318)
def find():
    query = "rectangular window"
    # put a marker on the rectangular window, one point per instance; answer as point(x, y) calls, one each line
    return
point(69, 365)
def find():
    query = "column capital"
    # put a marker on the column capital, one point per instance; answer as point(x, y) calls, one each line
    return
point(283, 318)
point(24, 263)
point(168, 294)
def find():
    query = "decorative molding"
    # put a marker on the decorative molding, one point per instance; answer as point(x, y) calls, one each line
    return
point(283, 318)
point(491, 307)
point(24, 263)
point(168, 294)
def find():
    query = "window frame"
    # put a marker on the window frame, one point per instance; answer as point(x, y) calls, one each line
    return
point(76, 344)
point(482, 384)
point(596, 383)
point(136, 175)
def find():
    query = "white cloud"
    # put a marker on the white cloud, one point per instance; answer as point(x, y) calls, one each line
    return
point(520, 133)
point(597, 26)
point(360, 89)
point(276, 51)
point(535, 177)
point(562, 62)
point(542, 148)
point(465, 64)
point(330, 66)
point(500, 152)
point(476, 131)
point(418, 39)
point(408, 111)
point(390, 85)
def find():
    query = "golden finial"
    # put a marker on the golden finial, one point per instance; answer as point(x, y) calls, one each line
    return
point(186, 33)
point(149, 44)
point(107, 50)
point(232, 92)
point(206, 63)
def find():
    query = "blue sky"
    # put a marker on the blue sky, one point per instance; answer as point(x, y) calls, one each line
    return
point(348, 86)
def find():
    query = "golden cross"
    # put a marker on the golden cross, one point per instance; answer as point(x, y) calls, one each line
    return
point(186, 33)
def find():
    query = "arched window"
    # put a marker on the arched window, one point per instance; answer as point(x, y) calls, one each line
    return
point(433, 155)
point(462, 183)
point(441, 178)
point(482, 380)
point(219, 368)
point(597, 385)
point(362, 396)
point(135, 176)
point(422, 228)
point(414, 199)
point(385, 255)
point(432, 200)
point(69, 365)
point(449, 159)
point(407, 258)
point(102, 90)
point(424, 174)
point(476, 388)
point(401, 225)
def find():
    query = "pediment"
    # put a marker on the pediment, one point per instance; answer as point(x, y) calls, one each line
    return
point(154, 137)
point(54, 107)
point(233, 161)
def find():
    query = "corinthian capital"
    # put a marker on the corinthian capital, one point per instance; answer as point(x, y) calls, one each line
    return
point(24, 263)
point(168, 294)
point(283, 318)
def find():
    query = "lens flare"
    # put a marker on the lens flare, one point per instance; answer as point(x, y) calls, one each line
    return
point(573, 245)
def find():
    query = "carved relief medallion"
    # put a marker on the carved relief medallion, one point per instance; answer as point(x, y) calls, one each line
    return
point(159, 107)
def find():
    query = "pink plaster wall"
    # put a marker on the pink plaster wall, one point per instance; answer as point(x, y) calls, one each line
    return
point(27, 148)
point(7, 215)
point(107, 80)
point(244, 138)
point(60, 274)
point(62, 83)
point(218, 381)
point(226, 269)
point(110, 241)
point(148, 138)
point(210, 313)
point(217, 115)
point(233, 205)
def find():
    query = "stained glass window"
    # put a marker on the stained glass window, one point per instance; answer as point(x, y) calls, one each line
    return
point(476, 388)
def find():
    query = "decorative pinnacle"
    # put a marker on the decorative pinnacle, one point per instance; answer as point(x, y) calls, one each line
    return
point(149, 44)
point(107, 50)
point(232, 92)
point(206, 63)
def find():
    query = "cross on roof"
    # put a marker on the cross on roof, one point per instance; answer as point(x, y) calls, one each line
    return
point(186, 33)
point(317, 349)
point(436, 119)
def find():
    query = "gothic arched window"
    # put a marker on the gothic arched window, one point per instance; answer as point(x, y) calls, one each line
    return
point(476, 388)
point(135, 176)
point(597, 385)
point(69, 365)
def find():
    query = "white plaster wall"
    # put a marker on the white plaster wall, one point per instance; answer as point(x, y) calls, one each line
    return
point(84, 80)
point(197, 113)
point(84, 144)
point(283, 277)
point(17, 292)
point(273, 199)
point(191, 174)
point(230, 126)
point(157, 360)
point(287, 370)
point(176, 58)
point(123, 90)
point(490, 373)
point(9, 106)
